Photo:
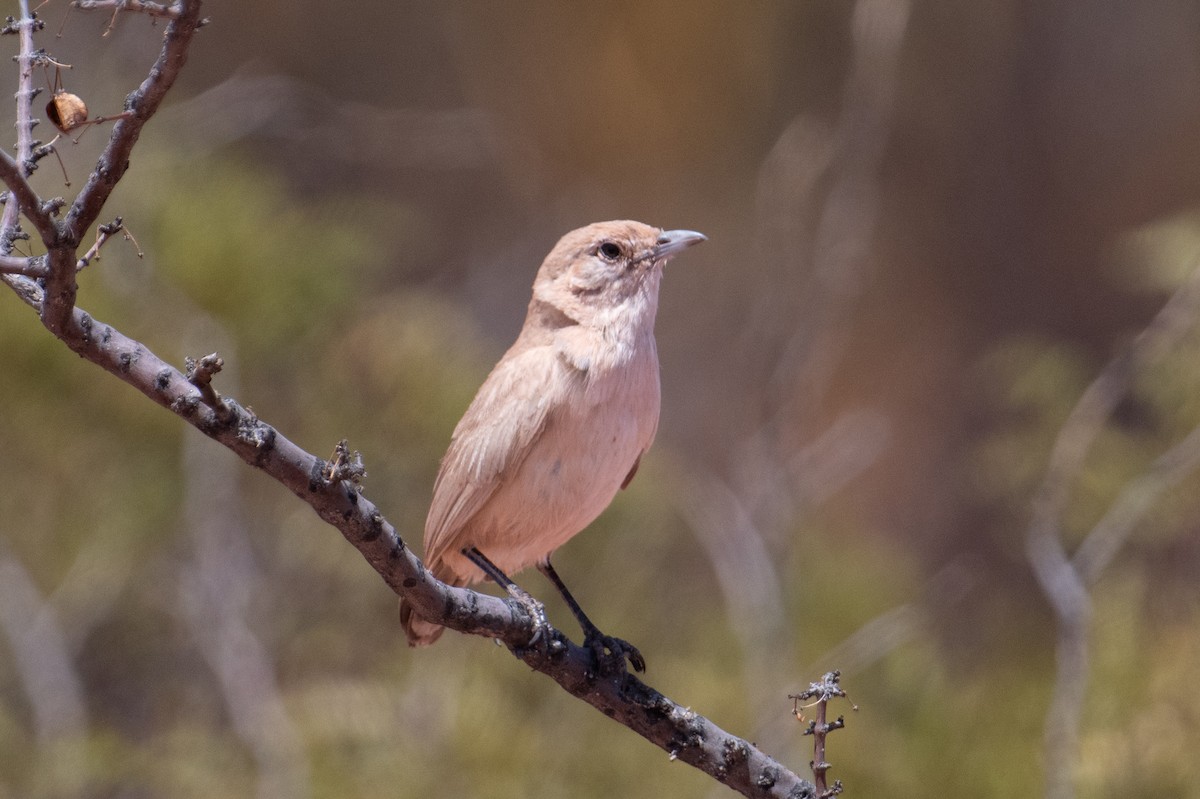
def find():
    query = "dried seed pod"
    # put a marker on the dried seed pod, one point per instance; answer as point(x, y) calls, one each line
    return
point(67, 111)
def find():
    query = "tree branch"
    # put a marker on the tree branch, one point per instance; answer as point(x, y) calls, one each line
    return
point(110, 167)
point(22, 199)
point(142, 6)
point(30, 267)
point(143, 102)
point(1064, 582)
point(332, 493)
point(44, 665)
point(686, 735)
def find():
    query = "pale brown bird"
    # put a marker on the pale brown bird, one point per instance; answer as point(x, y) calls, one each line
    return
point(559, 425)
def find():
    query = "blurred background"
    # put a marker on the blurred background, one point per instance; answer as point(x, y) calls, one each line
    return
point(931, 226)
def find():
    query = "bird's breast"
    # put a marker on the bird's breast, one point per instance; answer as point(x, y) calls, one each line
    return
point(606, 418)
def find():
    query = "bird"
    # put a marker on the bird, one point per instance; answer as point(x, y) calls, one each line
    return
point(560, 424)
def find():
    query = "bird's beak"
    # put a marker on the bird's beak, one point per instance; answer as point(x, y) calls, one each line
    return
point(670, 242)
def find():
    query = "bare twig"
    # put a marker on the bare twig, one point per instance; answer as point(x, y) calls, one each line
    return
point(127, 234)
point(821, 692)
point(110, 167)
point(1097, 551)
point(46, 671)
point(103, 232)
point(200, 374)
point(101, 120)
point(22, 199)
point(1064, 584)
point(142, 103)
point(164, 10)
point(49, 147)
point(40, 651)
point(20, 196)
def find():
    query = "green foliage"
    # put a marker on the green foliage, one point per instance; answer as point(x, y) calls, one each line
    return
point(1145, 617)
point(323, 339)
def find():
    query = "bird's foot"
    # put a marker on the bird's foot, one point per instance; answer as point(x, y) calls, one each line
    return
point(542, 631)
point(610, 653)
point(545, 639)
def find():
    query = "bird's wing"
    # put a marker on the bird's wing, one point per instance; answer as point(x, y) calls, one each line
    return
point(507, 416)
point(629, 477)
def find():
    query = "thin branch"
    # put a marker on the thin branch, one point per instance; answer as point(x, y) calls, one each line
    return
point(22, 199)
point(1104, 541)
point(1046, 552)
point(26, 289)
point(143, 103)
point(29, 267)
point(26, 199)
point(1100, 399)
point(110, 167)
point(44, 665)
point(163, 10)
point(1061, 581)
point(103, 232)
point(19, 192)
point(819, 728)
point(21, 195)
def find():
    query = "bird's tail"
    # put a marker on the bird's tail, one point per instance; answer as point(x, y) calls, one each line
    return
point(419, 631)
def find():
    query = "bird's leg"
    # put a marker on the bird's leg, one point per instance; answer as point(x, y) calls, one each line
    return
point(606, 649)
point(534, 608)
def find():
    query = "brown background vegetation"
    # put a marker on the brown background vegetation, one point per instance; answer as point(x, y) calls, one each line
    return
point(349, 203)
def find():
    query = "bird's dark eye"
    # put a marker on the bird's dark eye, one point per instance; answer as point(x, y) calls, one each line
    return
point(609, 251)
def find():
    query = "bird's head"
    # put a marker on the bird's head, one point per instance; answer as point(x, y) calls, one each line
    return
point(608, 273)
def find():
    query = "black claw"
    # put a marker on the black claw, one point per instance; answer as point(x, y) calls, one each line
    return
point(608, 653)
point(636, 660)
point(611, 653)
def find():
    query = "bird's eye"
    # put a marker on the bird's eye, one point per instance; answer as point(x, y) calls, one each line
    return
point(609, 251)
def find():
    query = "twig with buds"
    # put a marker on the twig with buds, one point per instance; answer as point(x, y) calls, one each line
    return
point(345, 465)
point(828, 688)
point(200, 374)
